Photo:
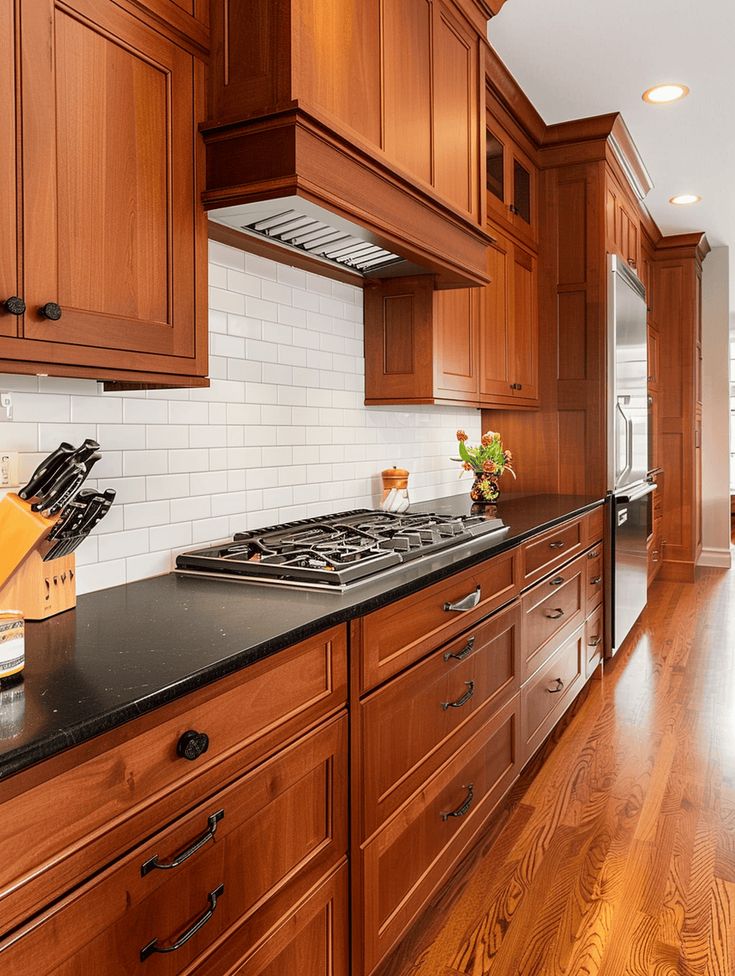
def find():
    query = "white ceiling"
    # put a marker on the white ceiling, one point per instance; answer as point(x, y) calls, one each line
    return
point(576, 58)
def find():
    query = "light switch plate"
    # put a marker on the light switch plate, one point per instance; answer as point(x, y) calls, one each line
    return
point(8, 469)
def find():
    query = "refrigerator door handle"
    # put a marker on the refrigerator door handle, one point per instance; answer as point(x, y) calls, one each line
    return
point(628, 443)
point(636, 495)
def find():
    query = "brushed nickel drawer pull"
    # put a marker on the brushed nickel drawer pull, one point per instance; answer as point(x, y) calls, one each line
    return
point(464, 653)
point(153, 864)
point(461, 811)
point(468, 602)
point(555, 613)
point(595, 642)
point(153, 945)
point(595, 581)
point(557, 581)
point(557, 545)
point(559, 686)
point(593, 555)
point(470, 685)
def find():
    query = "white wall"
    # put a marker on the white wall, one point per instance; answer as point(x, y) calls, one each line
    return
point(282, 432)
point(716, 409)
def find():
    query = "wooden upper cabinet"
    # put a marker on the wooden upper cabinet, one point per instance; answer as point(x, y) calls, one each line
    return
point(9, 285)
point(420, 344)
point(508, 327)
point(407, 69)
point(114, 236)
point(511, 183)
point(524, 324)
point(456, 111)
point(622, 225)
point(455, 344)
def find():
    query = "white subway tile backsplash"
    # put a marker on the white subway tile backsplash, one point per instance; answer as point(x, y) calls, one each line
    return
point(282, 432)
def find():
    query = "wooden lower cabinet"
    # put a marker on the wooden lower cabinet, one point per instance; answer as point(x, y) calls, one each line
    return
point(240, 863)
point(176, 897)
point(415, 722)
point(545, 698)
point(402, 866)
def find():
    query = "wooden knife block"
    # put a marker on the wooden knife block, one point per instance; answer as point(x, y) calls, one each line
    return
point(40, 590)
point(21, 531)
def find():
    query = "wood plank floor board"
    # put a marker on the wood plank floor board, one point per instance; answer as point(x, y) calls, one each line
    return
point(617, 856)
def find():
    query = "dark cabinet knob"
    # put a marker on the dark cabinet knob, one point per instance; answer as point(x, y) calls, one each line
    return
point(50, 311)
point(14, 305)
point(192, 745)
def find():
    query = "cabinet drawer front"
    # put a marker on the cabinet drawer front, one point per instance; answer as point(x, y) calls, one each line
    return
point(544, 554)
point(551, 611)
point(595, 577)
point(407, 860)
point(142, 782)
point(286, 817)
point(594, 641)
point(551, 690)
point(401, 633)
point(415, 722)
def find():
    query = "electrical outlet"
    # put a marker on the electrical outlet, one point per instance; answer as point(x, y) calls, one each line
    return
point(6, 406)
point(8, 469)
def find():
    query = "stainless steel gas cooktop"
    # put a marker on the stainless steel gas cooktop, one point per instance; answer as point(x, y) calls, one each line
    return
point(334, 552)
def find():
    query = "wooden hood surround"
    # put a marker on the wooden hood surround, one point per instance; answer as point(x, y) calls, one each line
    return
point(366, 114)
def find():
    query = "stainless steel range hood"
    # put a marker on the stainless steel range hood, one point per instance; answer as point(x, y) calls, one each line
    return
point(299, 226)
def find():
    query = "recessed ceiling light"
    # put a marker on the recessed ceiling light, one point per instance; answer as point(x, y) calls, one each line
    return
point(685, 199)
point(661, 94)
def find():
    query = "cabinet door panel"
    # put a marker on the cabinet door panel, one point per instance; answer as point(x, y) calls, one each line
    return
point(455, 112)
point(8, 213)
point(524, 332)
point(109, 195)
point(407, 84)
point(345, 34)
point(493, 324)
point(456, 343)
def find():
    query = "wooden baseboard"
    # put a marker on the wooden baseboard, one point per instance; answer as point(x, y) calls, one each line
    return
point(675, 571)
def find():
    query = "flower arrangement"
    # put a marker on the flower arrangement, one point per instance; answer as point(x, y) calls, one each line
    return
point(488, 461)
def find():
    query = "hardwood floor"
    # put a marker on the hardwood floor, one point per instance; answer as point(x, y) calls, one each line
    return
point(618, 858)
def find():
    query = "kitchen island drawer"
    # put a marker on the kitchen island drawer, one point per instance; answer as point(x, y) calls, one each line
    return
point(285, 823)
point(595, 577)
point(419, 719)
point(551, 610)
point(405, 863)
point(392, 638)
point(545, 698)
point(79, 810)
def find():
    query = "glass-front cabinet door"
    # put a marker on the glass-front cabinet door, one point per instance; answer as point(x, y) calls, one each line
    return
point(511, 182)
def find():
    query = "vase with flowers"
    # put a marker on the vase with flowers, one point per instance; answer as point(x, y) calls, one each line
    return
point(488, 461)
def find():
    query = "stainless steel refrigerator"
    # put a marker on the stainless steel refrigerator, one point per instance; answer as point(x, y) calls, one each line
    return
point(629, 497)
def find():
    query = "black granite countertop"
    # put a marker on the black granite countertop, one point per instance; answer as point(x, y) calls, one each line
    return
point(129, 649)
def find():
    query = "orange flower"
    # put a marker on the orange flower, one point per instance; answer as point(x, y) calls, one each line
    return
point(489, 466)
point(461, 436)
point(508, 456)
point(486, 440)
point(489, 436)
point(467, 466)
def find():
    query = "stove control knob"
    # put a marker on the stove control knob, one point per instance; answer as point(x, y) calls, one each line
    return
point(192, 745)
